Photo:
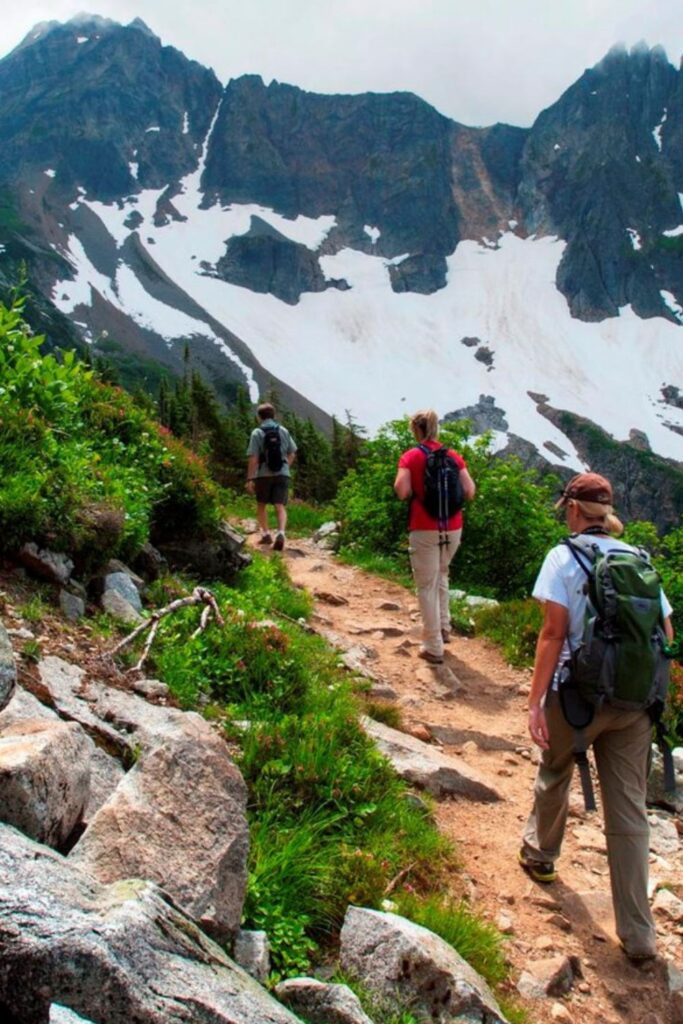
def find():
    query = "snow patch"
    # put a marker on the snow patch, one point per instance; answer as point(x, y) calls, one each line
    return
point(373, 233)
point(673, 304)
point(556, 146)
point(637, 159)
point(133, 167)
point(82, 39)
point(635, 238)
point(50, 173)
point(657, 131)
point(153, 128)
point(673, 232)
point(186, 123)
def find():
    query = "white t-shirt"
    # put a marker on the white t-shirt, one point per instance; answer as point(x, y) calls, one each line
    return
point(562, 580)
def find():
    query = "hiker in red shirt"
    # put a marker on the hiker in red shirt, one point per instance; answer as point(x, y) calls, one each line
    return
point(433, 540)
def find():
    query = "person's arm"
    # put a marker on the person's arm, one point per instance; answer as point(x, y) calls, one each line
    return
point(402, 484)
point(468, 485)
point(548, 649)
point(668, 630)
point(290, 458)
point(252, 470)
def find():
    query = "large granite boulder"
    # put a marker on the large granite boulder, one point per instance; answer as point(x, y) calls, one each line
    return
point(44, 778)
point(116, 953)
point(179, 819)
point(407, 965)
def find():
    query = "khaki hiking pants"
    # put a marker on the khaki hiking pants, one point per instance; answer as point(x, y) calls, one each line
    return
point(621, 744)
point(430, 563)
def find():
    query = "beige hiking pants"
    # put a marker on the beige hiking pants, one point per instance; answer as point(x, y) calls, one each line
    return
point(429, 562)
point(621, 744)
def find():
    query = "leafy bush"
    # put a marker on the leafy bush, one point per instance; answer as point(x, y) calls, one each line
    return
point(83, 466)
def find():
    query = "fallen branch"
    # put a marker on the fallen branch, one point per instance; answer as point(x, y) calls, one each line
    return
point(200, 595)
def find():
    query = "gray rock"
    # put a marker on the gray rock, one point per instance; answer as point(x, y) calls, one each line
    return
point(145, 725)
point(44, 778)
point(179, 819)
point(8, 669)
point(60, 686)
point(105, 774)
point(117, 953)
point(122, 584)
point(326, 530)
point(473, 600)
point(114, 565)
point(115, 605)
point(382, 691)
point(72, 606)
point(54, 566)
point(428, 768)
point(151, 688)
point(664, 838)
point(410, 966)
point(668, 905)
point(321, 1003)
point(553, 976)
point(252, 952)
point(23, 706)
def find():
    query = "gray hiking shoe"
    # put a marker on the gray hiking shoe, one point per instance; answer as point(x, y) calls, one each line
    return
point(279, 542)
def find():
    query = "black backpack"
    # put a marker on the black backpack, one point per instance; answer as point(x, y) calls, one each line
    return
point(271, 452)
point(444, 494)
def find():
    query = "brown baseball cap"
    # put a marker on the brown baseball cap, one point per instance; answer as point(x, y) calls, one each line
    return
point(587, 487)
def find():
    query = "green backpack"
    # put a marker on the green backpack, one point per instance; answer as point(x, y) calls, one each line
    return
point(622, 658)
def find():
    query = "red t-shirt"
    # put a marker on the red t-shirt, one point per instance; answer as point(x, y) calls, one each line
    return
point(414, 460)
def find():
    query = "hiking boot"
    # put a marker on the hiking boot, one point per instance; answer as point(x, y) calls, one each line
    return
point(540, 871)
point(431, 659)
point(265, 539)
point(446, 635)
point(279, 541)
point(643, 956)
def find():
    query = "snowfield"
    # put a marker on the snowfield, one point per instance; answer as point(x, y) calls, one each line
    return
point(378, 354)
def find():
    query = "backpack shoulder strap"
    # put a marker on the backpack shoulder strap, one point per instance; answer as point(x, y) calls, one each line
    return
point(578, 547)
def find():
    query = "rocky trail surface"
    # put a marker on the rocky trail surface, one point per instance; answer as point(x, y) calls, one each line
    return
point(473, 708)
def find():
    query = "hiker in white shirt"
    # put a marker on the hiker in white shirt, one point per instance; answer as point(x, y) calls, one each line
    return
point(621, 739)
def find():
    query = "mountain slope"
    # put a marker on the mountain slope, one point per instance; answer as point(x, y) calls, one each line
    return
point(365, 253)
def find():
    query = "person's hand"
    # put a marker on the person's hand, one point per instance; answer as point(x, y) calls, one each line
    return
point(538, 726)
point(251, 487)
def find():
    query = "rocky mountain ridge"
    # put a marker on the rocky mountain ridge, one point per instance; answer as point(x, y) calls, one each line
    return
point(280, 230)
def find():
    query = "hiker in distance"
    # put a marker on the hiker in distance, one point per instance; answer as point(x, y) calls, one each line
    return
point(436, 481)
point(601, 666)
point(271, 452)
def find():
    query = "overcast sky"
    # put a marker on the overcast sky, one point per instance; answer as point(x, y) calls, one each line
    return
point(478, 61)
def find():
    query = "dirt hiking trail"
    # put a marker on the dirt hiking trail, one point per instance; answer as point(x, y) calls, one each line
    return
point(474, 707)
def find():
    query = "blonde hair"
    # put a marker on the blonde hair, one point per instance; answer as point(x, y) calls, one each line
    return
point(425, 425)
point(599, 513)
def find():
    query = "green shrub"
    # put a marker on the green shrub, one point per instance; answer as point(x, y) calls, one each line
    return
point(83, 467)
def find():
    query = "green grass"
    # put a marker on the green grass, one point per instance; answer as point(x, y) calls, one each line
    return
point(34, 610)
point(514, 625)
point(476, 941)
point(303, 518)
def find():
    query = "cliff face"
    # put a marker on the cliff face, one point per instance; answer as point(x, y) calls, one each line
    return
point(602, 168)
